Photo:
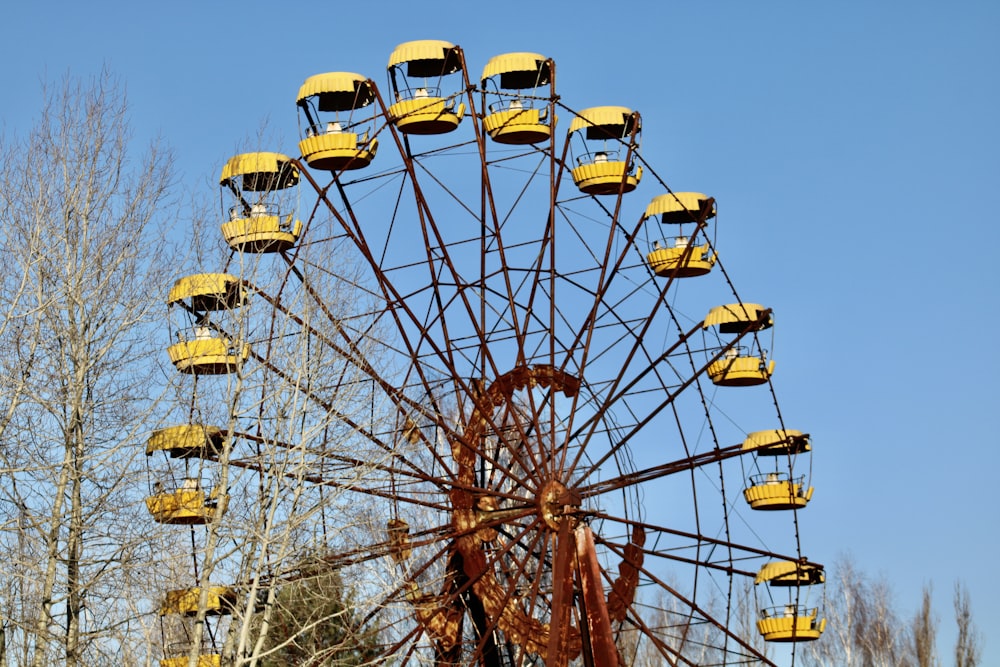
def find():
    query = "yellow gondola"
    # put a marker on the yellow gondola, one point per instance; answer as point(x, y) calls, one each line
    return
point(790, 622)
point(257, 221)
point(740, 366)
point(419, 107)
point(606, 165)
point(205, 349)
point(515, 117)
point(334, 139)
point(677, 256)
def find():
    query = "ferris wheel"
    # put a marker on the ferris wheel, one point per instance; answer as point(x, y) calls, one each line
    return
point(501, 390)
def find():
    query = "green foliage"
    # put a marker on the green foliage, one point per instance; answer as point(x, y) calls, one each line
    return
point(313, 623)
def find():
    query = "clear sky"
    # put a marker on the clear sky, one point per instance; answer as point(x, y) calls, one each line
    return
point(852, 147)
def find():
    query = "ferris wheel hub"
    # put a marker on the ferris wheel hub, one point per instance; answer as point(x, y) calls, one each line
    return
point(556, 504)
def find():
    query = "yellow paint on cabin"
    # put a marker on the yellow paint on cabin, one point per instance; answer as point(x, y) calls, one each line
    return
point(260, 171)
point(209, 356)
point(517, 126)
point(790, 573)
point(744, 371)
point(421, 49)
point(678, 207)
point(607, 116)
point(208, 291)
point(791, 628)
point(220, 600)
point(777, 495)
point(737, 313)
point(204, 660)
point(521, 61)
point(262, 233)
point(186, 507)
point(340, 91)
point(775, 442)
point(681, 262)
point(426, 115)
point(333, 151)
point(183, 439)
point(605, 178)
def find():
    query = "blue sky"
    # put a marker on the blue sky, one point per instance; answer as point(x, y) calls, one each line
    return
point(853, 148)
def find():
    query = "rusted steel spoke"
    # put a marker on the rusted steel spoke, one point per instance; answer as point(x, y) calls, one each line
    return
point(557, 652)
point(662, 470)
point(600, 642)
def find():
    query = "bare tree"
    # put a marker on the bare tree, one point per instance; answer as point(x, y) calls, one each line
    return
point(837, 647)
point(968, 643)
point(80, 241)
point(307, 407)
point(878, 630)
point(863, 629)
point(923, 630)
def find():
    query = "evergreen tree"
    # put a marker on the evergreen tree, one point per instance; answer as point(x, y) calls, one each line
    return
point(312, 623)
